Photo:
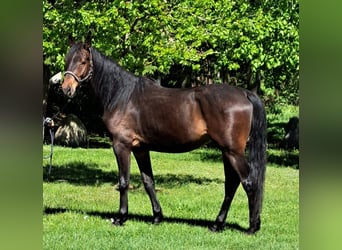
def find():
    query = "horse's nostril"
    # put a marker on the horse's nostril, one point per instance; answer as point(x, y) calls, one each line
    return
point(66, 90)
point(69, 91)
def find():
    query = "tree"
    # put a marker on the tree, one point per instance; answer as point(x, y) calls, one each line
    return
point(253, 44)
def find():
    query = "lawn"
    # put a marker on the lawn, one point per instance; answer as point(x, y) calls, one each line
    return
point(79, 200)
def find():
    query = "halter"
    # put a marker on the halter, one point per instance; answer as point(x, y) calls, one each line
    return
point(90, 72)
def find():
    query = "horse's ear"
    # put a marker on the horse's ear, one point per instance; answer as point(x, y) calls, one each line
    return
point(71, 40)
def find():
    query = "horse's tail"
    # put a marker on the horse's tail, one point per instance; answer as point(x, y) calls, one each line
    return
point(257, 148)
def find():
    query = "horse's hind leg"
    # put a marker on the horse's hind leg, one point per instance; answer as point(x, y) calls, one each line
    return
point(232, 181)
point(144, 163)
point(254, 202)
point(249, 183)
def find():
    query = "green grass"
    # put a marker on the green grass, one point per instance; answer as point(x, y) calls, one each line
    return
point(79, 200)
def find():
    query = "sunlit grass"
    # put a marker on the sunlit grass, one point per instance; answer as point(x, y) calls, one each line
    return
point(79, 199)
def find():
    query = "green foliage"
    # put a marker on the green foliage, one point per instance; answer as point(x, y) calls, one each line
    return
point(208, 38)
point(225, 41)
point(79, 199)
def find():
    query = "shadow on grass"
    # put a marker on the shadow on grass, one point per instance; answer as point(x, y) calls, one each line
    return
point(79, 173)
point(147, 218)
point(280, 157)
point(284, 158)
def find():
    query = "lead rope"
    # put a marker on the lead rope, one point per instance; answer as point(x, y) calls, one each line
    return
point(48, 122)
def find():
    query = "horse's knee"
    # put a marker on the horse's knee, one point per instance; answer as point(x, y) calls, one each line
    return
point(123, 185)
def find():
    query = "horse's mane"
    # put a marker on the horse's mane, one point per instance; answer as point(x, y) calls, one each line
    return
point(112, 83)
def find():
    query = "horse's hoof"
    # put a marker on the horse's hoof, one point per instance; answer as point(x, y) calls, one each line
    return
point(252, 231)
point(216, 228)
point(119, 221)
point(158, 219)
point(254, 227)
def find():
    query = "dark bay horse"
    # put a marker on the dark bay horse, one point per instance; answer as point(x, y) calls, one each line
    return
point(143, 116)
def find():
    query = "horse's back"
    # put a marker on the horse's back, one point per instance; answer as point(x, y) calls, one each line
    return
point(229, 95)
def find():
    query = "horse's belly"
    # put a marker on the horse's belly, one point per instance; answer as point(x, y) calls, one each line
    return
point(177, 146)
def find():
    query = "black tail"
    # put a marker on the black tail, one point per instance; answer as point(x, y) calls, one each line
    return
point(257, 147)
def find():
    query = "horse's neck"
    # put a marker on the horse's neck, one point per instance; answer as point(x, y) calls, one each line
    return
point(112, 83)
point(105, 66)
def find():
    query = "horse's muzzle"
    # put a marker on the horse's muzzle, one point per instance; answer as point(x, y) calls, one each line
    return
point(69, 91)
point(69, 87)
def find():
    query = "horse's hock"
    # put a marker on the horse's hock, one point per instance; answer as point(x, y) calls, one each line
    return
point(71, 133)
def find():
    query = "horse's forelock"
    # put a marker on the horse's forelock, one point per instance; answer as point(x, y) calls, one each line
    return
point(73, 49)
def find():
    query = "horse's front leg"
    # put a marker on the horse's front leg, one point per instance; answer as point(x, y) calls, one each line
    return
point(122, 154)
point(144, 163)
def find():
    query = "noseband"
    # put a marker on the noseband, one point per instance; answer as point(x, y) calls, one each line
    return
point(90, 72)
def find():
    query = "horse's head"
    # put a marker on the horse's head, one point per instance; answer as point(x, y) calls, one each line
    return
point(79, 67)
